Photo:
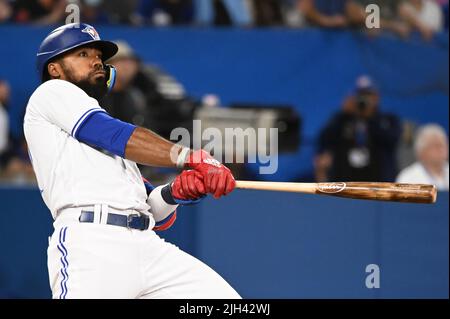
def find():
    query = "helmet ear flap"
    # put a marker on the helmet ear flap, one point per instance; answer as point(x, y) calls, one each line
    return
point(110, 76)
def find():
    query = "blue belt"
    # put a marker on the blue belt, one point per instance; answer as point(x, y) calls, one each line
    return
point(136, 221)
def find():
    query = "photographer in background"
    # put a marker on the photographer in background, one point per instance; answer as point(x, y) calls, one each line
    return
point(359, 142)
point(147, 96)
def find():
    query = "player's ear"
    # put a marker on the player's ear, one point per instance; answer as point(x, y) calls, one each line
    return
point(54, 70)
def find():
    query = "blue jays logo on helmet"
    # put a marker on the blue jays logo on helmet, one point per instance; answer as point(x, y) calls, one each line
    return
point(92, 32)
point(68, 37)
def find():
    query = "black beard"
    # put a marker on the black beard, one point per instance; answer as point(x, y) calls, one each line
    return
point(96, 91)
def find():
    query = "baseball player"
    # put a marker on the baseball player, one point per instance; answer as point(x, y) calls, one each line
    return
point(105, 214)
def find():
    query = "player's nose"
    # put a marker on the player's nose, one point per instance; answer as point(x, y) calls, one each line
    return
point(97, 63)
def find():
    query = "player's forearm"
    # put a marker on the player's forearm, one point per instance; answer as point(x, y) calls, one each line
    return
point(148, 148)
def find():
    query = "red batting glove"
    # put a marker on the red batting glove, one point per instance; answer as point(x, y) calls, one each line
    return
point(217, 178)
point(188, 185)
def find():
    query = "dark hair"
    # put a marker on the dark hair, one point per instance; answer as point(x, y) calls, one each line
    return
point(45, 75)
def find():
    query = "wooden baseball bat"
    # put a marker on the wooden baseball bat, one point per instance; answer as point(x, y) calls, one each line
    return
point(392, 192)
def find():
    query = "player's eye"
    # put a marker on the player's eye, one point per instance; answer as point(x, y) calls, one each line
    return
point(83, 54)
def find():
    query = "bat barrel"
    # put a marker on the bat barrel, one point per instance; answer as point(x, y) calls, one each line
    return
point(393, 192)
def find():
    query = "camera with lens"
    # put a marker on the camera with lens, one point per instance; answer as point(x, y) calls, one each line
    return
point(362, 102)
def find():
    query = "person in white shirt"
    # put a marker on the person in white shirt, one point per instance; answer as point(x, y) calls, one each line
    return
point(423, 15)
point(431, 148)
point(105, 214)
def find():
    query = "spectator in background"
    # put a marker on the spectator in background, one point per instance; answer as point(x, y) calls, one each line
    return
point(120, 11)
point(389, 16)
point(359, 142)
point(292, 16)
point(145, 95)
point(331, 13)
point(15, 165)
point(5, 11)
point(4, 121)
point(92, 12)
point(424, 16)
point(39, 11)
point(267, 12)
point(18, 169)
point(127, 101)
point(222, 12)
point(431, 148)
point(166, 12)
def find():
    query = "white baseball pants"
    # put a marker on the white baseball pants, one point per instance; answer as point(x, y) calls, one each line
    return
point(88, 260)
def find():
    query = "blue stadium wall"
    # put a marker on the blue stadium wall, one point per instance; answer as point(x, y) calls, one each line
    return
point(268, 245)
point(312, 70)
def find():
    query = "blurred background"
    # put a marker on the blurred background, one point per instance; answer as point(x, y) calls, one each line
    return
point(350, 103)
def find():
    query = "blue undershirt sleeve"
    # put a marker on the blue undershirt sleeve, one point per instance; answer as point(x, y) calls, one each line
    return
point(103, 131)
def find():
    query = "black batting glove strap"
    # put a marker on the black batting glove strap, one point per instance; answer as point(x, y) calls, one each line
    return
point(166, 194)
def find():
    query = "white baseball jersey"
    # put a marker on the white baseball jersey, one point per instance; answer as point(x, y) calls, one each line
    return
point(417, 173)
point(87, 260)
point(73, 174)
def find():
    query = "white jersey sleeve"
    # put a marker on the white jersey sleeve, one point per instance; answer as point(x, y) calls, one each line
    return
point(158, 206)
point(63, 104)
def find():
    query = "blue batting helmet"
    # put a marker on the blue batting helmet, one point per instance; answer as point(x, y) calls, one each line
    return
point(68, 37)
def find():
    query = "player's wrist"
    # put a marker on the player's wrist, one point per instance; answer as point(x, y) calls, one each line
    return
point(183, 157)
point(167, 194)
point(172, 197)
point(199, 158)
